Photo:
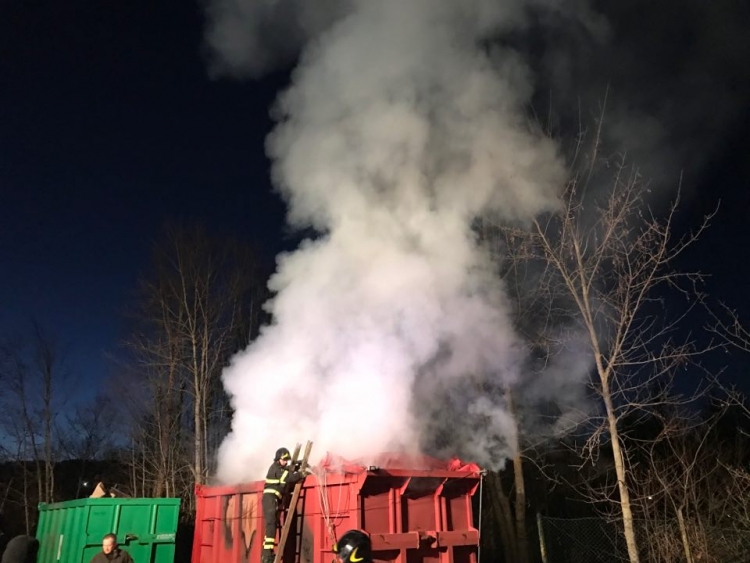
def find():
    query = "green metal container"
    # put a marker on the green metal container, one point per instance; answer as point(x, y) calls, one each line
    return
point(72, 531)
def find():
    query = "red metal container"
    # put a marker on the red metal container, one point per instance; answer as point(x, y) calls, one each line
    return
point(416, 510)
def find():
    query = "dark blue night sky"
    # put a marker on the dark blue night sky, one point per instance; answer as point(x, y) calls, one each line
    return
point(109, 124)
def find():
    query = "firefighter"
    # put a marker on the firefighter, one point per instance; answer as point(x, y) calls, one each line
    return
point(353, 547)
point(279, 475)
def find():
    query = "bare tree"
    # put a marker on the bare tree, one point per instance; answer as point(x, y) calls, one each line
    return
point(19, 420)
point(17, 490)
point(692, 485)
point(728, 326)
point(198, 306)
point(156, 406)
point(610, 263)
point(48, 360)
point(89, 433)
point(537, 317)
point(35, 375)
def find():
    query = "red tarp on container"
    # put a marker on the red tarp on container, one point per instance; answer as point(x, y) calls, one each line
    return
point(416, 509)
point(398, 461)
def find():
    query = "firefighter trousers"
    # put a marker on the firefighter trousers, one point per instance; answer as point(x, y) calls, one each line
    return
point(270, 504)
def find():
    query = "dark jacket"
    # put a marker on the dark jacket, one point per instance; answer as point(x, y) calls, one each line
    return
point(279, 477)
point(117, 556)
point(21, 549)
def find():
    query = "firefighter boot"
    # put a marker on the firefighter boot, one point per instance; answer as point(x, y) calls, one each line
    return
point(268, 557)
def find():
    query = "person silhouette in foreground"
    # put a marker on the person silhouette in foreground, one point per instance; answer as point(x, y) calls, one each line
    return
point(21, 549)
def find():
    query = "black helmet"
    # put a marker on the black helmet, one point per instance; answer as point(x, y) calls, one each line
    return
point(354, 547)
point(282, 453)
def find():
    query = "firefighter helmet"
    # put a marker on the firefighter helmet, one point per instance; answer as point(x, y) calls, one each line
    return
point(282, 453)
point(354, 547)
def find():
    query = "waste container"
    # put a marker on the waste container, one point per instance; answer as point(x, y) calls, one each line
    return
point(72, 531)
point(415, 509)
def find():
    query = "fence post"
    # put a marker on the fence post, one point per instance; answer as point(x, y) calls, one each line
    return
point(540, 531)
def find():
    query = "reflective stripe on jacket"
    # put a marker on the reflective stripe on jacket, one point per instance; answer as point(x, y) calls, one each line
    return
point(279, 477)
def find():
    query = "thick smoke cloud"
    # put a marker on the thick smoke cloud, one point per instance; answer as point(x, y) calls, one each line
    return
point(404, 123)
point(397, 132)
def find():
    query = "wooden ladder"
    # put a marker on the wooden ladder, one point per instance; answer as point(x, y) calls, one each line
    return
point(293, 502)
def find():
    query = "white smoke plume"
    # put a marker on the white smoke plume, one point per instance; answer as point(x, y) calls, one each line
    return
point(400, 128)
point(253, 37)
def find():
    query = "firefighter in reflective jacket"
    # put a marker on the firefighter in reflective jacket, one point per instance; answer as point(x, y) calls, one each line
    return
point(279, 475)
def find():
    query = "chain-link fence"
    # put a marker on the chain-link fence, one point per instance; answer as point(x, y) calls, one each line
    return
point(596, 540)
point(581, 540)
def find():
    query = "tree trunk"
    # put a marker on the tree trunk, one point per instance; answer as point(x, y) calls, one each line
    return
point(39, 480)
point(143, 471)
point(49, 482)
point(32, 437)
point(520, 508)
point(621, 472)
point(198, 443)
point(133, 469)
point(684, 536)
point(522, 544)
point(204, 432)
point(26, 495)
point(501, 507)
point(198, 401)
